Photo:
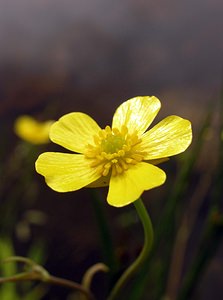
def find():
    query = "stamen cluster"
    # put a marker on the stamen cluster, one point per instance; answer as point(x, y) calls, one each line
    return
point(114, 150)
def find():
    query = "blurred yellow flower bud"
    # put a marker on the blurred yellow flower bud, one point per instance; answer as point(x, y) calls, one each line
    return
point(31, 130)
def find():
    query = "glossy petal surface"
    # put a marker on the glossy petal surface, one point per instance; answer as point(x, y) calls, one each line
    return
point(169, 137)
point(65, 172)
point(128, 187)
point(74, 131)
point(136, 113)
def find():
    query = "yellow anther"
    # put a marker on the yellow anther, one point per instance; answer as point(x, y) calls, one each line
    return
point(115, 131)
point(124, 130)
point(123, 164)
point(108, 156)
point(99, 157)
point(137, 157)
point(104, 154)
point(128, 160)
point(121, 153)
point(95, 163)
point(108, 129)
point(105, 172)
point(114, 151)
point(118, 168)
point(114, 172)
point(126, 148)
point(114, 161)
point(129, 143)
point(96, 139)
point(107, 165)
point(102, 134)
point(90, 154)
point(134, 162)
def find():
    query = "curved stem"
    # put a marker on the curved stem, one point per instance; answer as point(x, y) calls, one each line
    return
point(134, 268)
point(70, 284)
point(37, 272)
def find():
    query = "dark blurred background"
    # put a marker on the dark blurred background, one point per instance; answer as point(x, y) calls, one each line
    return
point(90, 56)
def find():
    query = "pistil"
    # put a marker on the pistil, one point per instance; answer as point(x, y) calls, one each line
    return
point(114, 151)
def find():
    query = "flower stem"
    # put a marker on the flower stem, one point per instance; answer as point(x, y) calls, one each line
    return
point(37, 272)
point(70, 284)
point(136, 265)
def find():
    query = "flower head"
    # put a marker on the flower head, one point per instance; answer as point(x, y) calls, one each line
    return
point(31, 130)
point(122, 156)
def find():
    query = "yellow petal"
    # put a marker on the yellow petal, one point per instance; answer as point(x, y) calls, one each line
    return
point(169, 137)
point(31, 130)
point(74, 131)
point(128, 187)
point(65, 172)
point(136, 113)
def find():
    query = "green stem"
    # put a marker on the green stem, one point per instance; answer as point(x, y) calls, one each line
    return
point(143, 256)
point(37, 272)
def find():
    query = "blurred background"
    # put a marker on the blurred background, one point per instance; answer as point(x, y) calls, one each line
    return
point(90, 56)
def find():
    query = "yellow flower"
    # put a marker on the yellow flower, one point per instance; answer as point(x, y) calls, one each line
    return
point(121, 156)
point(31, 130)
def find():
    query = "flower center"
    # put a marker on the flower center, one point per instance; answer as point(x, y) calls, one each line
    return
point(112, 143)
point(114, 150)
